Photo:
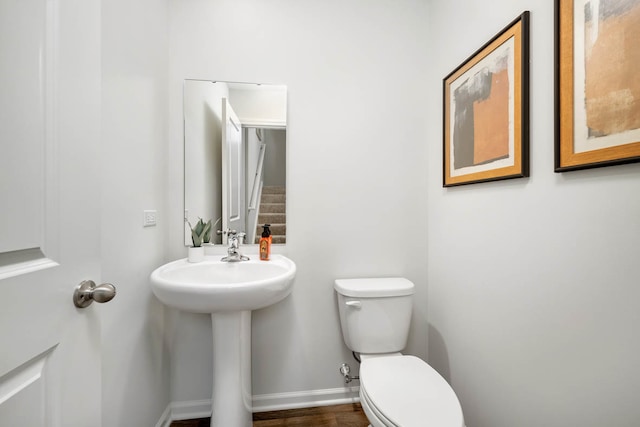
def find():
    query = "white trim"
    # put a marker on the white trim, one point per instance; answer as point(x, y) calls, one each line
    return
point(26, 267)
point(256, 190)
point(258, 122)
point(188, 410)
point(305, 399)
point(23, 376)
point(165, 418)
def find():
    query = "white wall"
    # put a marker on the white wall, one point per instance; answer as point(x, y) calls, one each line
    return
point(134, 110)
point(532, 283)
point(259, 104)
point(357, 88)
point(275, 158)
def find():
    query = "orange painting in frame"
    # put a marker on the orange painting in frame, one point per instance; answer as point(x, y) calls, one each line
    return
point(597, 83)
point(486, 111)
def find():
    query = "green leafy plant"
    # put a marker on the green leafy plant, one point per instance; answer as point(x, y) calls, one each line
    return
point(200, 232)
point(206, 238)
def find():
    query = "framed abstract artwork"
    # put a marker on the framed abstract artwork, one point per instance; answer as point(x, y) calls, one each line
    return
point(486, 111)
point(597, 83)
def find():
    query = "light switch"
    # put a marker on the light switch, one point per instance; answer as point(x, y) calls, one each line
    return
point(150, 218)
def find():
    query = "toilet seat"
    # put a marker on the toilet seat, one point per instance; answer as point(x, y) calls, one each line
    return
point(375, 417)
point(404, 391)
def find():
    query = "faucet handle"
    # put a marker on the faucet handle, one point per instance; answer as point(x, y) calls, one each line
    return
point(228, 232)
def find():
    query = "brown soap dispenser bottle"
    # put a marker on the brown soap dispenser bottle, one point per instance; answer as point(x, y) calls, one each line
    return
point(265, 243)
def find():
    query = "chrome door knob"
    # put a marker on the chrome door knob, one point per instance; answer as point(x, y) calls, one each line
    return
point(87, 292)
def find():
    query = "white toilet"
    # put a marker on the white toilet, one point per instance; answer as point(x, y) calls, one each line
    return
point(395, 390)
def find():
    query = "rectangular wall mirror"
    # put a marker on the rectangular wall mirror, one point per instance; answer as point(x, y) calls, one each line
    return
point(235, 158)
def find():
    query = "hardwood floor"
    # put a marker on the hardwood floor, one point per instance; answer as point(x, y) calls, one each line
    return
point(349, 415)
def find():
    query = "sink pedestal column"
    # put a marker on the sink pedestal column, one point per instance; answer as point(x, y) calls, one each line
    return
point(231, 399)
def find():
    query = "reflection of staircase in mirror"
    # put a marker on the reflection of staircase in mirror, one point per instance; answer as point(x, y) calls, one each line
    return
point(272, 211)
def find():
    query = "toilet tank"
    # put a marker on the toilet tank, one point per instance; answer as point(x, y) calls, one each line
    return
point(375, 313)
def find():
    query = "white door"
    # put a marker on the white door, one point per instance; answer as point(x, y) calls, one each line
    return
point(232, 171)
point(49, 212)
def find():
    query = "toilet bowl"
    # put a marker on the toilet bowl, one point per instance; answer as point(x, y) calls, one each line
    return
point(405, 391)
point(396, 390)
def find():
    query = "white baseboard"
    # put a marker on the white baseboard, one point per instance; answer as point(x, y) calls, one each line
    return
point(305, 399)
point(187, 410)
point(165, 418)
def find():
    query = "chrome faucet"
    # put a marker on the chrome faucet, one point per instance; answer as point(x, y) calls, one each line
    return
point(233, 238)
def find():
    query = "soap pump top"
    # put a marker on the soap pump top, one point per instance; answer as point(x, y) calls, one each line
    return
point(266, 232)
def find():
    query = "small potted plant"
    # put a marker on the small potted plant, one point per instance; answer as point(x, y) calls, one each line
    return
point(198, 233)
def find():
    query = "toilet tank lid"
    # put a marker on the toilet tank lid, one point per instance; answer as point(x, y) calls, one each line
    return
point(374, 287)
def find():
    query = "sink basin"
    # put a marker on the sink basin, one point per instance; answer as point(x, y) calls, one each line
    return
point(212, 286)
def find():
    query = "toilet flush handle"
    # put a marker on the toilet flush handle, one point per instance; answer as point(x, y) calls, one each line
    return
point(354, 304)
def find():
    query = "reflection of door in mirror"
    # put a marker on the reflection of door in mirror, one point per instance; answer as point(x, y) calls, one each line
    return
point(233, 217)
point(235, 157)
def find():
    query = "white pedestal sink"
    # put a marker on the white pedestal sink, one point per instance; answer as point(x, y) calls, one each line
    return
point(228, 291)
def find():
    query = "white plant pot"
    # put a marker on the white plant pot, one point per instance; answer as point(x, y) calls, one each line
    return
point(195, 254)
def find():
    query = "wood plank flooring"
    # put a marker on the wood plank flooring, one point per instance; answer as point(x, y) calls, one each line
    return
point(348, 415)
